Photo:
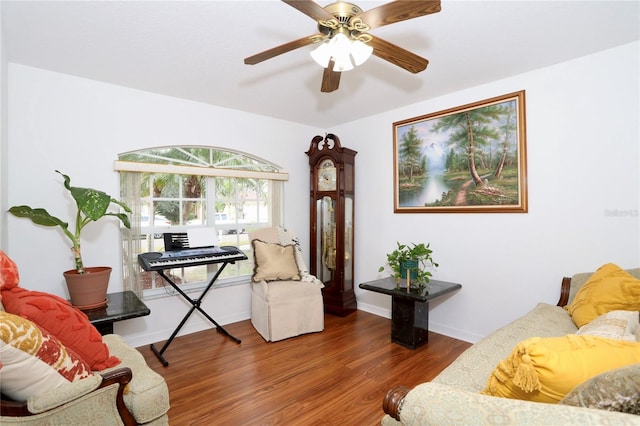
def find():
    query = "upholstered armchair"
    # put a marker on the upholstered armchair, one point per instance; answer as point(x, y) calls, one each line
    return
point(56, 369)
point(286, 300)
point(129, 393)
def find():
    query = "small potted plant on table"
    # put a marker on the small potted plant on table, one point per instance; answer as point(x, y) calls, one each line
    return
point(91, 206)
point(410, 262)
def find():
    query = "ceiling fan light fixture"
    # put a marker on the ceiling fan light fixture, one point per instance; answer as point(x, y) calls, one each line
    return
point(342, 63)
point(322, 54)
point(345, 52)
point(360, 52)
point(340, 46)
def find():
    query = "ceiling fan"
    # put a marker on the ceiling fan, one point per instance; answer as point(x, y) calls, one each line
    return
point(342, 21)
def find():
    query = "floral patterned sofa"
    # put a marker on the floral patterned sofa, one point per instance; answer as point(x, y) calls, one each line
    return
point(56, 369)
point(462, 393)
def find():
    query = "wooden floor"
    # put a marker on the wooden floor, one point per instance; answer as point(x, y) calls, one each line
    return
point(337, 377)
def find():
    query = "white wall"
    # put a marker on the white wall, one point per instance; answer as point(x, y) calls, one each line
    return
point(4, 135)
point(583, 136)
point(79, 126)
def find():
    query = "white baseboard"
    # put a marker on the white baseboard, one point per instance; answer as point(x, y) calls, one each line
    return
point(453, 332)
point(433, 326)
point(143, 339)
point(375, 310)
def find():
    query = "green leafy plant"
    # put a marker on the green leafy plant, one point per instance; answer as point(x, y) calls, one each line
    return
point(91, 205)
point(406, 252)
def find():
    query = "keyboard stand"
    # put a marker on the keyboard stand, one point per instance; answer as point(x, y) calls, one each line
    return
point(195, 304)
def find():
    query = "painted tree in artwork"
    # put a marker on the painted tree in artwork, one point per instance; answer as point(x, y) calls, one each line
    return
point(507, 130)
point(452, 162)
point(410, 156)
point(472, 130)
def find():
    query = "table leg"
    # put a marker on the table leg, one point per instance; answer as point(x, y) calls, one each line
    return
point(409, 322)
point(104, 328)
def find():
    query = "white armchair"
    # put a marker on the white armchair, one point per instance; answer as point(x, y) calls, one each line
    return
point(283, 304)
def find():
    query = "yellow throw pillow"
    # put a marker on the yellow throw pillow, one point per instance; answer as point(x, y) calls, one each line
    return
point(610, 288)
point(274, 262)
point(546, 369)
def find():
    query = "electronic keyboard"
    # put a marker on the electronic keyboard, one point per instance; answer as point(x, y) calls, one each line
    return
point(159, 261)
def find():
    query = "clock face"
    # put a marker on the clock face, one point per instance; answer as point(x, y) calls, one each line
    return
point(327, 176)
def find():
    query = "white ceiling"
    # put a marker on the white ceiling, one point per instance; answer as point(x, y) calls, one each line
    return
point(195, 49)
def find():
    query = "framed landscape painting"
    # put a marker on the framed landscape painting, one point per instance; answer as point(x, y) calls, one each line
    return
point(468, 159)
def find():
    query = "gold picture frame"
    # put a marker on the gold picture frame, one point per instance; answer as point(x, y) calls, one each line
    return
point(467, 159)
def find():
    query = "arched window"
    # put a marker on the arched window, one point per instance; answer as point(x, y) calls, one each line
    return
point(190, 188)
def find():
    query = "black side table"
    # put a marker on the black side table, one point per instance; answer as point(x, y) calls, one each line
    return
point(120, 306)
point(410, 308)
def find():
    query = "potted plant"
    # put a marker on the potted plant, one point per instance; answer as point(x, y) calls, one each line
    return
point(412, 260)
point(91, 206)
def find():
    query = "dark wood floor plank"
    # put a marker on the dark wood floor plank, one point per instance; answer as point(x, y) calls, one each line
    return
point(335, 377)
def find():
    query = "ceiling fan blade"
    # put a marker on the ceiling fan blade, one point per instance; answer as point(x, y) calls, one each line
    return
point(398, 56)
point(330, 79)
point(284, 48)
point(397, 11)
point(311, 9)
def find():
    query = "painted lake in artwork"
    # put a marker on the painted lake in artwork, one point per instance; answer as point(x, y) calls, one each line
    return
point(429, 189)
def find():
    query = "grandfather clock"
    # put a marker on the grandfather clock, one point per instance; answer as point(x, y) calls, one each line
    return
point(331, 225)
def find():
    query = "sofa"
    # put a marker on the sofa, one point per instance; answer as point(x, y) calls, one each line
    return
point(460, 394)
point(56, 368)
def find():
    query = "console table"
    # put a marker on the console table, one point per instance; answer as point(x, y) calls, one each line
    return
point(410, 308)
point(120, 306)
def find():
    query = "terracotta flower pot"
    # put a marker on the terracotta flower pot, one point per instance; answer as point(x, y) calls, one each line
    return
point(88, 290)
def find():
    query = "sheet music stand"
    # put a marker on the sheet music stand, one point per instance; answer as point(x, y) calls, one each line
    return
point(195, 304)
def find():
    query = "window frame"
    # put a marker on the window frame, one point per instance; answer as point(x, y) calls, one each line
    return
point(132, 171)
